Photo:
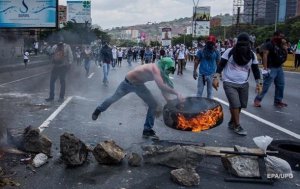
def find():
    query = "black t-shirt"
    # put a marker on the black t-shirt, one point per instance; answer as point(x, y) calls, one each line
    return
point(277, 55)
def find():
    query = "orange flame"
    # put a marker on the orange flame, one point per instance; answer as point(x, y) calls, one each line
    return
point(202, 121)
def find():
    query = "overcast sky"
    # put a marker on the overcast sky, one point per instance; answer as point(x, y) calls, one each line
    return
point(116, 13)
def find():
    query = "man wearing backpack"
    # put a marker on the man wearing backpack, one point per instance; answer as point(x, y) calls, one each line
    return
point(235, 64)
point(107, 58)
point(274, 55)
point(62, 58)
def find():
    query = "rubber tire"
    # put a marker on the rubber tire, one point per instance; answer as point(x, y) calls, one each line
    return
point(288, 150)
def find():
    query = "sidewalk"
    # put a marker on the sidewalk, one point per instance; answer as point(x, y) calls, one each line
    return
point(17, 63)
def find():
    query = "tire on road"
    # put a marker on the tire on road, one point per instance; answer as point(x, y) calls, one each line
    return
point(288, 150)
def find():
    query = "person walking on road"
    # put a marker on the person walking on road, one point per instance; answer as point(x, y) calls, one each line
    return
point(120, 57)
point(26, 58)
point(114, 55)
point(274, 55)
point(135, 82)
point(87, 55)
point(107, 58)
point(297, 55)
point(129, 56)
point(62, 59)
point(236, 63)
point(148, 55)
point(208, 59)
point(142, 55)
point(181, 56)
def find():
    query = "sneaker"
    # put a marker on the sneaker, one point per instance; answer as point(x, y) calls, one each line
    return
point(230, 125)
point(49, 99)
point(150, 134)
point(240, 131)
point(280, 104)
point(256, 103)
point(96, 114)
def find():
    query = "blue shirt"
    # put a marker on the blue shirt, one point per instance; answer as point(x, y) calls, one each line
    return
point(208, 66)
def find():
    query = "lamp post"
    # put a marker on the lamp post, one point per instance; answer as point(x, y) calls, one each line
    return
point(276, 16)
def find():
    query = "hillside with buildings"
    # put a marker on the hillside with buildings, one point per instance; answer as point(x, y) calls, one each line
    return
point(152, 31)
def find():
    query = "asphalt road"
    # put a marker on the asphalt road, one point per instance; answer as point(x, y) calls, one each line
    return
point(22, 94)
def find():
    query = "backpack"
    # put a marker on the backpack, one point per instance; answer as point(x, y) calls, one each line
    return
point(278, 56)
point(58, 56)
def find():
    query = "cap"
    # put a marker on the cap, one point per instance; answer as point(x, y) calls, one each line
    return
point(243, 37)
point(212, 38)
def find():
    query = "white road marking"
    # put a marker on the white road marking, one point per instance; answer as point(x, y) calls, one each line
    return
point(171, 77)
point(264, 121)
point(282, 112)
point(91, 75)
point(23, 79)
point(54, 114)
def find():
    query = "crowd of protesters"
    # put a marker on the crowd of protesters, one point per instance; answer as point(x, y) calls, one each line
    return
point(229, 61)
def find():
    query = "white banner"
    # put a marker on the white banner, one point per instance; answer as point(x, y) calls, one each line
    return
point(29, 13)
point(166, 36)
point(79, 11)
point(201, 28)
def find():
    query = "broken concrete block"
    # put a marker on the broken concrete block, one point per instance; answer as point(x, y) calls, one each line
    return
point(36, 142)
point(73, 151)
point(185, 177)
point(108, 152)
point(241, 166)
point(134, 160)
point(175, 156)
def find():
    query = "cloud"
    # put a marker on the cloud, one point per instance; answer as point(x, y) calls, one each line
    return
point(116, 13)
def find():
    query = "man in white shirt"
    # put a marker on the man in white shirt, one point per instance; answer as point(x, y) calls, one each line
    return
point(235, 64)
point(114, 54)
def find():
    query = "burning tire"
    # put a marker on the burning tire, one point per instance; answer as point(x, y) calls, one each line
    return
point(194, 114)
point(288, 150)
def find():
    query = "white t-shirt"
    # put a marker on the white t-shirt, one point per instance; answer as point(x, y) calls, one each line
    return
point(26, 55)
point(114, 53)
point(181, 53)
point(120, 53)
point(234, 73)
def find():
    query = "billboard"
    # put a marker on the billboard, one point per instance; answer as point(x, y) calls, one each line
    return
point(166, 36)
point(201, 28)
point(28, 14)
point(201, 21)
point(79, 11)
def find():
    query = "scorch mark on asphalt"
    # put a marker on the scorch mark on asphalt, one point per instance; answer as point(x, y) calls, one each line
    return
point(54, 114)
point(264, 121)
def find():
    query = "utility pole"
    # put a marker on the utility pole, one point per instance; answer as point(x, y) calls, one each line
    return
point(238, 20)
point(194, 24)
point(252, 13)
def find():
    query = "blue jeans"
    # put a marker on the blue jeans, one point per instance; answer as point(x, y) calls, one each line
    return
point(87, 64)
point(129, 59)
point(106, 68)
point(276, 75)
point(58, 72)
point(208, 82)
point(114, 62)
point(142, 91)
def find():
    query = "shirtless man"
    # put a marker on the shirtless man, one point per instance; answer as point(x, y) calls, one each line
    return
point(135, 82)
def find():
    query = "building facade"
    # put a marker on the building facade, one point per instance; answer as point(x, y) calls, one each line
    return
point(62, 15)
point(264, 12)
